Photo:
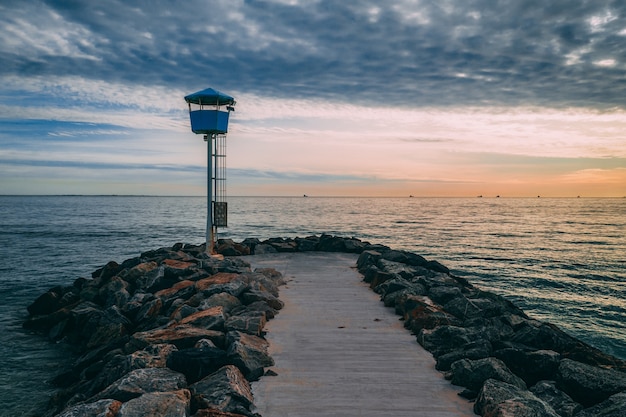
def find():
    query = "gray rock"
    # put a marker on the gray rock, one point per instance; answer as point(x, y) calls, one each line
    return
point(102, 408)
point(500, 399)
point(614, 406)
point(475, 350)
point(367, 259)
point(589, 385)
point(307, 244)
point(558, 400)
point(196, 363)
point(444, 294)
point(212, 318)
point(153, 356)
point(162, 404)
point(141, 381)
point(472, 374)
point(182, 337)
point(227, 301)
point(264, 248)
point(446, 338)
point(253, 295)
point(251, 323)
point(226, 389)
point(530, 366)
point(249, 353)
point(114, 292)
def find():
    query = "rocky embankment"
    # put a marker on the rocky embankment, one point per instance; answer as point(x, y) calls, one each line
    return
point(175, 332)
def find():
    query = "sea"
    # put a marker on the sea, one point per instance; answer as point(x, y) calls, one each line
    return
point(562, 260)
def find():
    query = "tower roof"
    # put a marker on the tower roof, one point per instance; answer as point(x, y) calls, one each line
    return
point(210, 96)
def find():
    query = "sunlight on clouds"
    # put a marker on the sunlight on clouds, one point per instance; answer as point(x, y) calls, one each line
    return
point(605, 63)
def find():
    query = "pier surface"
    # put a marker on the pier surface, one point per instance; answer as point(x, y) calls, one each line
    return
point(340, 352)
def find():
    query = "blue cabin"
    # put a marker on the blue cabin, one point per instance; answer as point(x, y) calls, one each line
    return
point(209, 110)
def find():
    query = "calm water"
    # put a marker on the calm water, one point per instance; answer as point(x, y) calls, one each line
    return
point(561, 260)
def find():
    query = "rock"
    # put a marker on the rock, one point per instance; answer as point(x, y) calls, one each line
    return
point(589, 385)
point(182, 337)
point(264, 248)
point(182, 289)
point(153, 356)
point(141, 381)
point(162, 404)
point(420, 313)
point(307, 244)
point(614, 406)
point(530, 366)
point(46, 303)
point(253, 295)
point(251, 323)
point(437, 267)
point(227, 301)
point(114, 293)
point(107, 271)
point(398, 269)
point(222, 282)
point(148, 313)
point(249, 353)
point(474, 350)
point(257, 306)
point(472, 374)
point(196, 363)
point(367, 258)
point(443, 294)
point(212, 319)
point(446, 338)
point(94, 326)
point(404, 257)
point(543, 336)
point(226, 389)
point(281, 245)
point(102, 408)
point(500, 399)
point(557, 399)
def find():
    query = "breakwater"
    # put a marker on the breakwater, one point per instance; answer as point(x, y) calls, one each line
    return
point(182, 332)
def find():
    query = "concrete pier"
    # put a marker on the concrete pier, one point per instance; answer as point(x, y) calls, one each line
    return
point(340, 352)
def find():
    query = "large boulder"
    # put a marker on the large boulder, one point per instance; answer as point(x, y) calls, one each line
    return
point(558, 400)
point(226, 390)
point(472, 374)
point(102, 408)
point(500, 399)
point(420, 313)
point(531, 366)
point(196, 363)
point(183, 336)
point(141, 381)
point(614, 406)
point(446, 338)
point(251, 322)
point(249, 353)
point(162, 404)
point(589, 385)
point(212, 318)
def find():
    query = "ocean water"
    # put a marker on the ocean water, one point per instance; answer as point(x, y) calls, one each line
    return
point(561, 260)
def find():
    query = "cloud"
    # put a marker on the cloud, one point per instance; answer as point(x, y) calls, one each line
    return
point(361, 92)
point(398, 53)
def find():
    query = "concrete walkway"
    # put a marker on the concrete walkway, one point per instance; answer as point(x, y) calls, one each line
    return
point(340, 352)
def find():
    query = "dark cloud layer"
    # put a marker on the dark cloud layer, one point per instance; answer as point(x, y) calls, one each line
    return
point(411, 53)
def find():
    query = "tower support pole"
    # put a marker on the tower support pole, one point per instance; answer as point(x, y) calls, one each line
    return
point(210, 239)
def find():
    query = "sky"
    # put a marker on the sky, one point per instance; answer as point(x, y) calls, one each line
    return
point(334, 98)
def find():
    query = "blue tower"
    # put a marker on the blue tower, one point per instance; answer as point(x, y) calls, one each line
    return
point(209, 110)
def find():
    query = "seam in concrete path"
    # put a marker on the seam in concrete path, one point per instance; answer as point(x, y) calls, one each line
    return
point(340, 352)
